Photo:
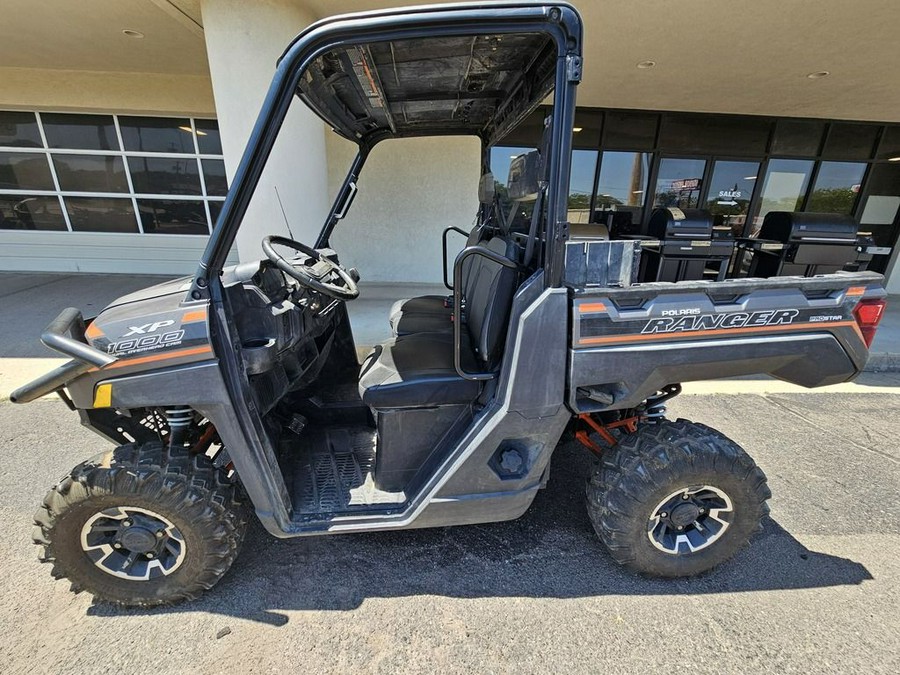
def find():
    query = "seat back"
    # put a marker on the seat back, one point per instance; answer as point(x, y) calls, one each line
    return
point(489, 299)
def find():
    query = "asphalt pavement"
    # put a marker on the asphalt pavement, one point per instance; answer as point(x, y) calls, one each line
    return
point(816, 592)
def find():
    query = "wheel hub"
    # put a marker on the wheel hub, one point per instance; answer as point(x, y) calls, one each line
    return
point(138, 539)
point(690, 519)
point(685, 514)
point(133, 543)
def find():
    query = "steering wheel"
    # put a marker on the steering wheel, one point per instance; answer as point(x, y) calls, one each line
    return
point(320, 274)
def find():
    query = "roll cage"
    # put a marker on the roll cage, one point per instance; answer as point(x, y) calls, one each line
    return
point(364, 113)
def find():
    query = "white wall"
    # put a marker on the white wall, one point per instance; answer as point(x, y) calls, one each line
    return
point(409, 190)
point(243, 42)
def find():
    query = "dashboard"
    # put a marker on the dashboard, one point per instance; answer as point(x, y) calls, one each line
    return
point(285, 329)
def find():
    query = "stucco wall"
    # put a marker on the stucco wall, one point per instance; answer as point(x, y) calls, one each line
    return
point(79, 90)
point(409, 191)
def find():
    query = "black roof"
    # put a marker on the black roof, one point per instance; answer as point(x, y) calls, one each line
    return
point(447, 84)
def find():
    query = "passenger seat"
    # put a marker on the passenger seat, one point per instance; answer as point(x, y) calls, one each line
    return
point(428, 313)
point(417, 370)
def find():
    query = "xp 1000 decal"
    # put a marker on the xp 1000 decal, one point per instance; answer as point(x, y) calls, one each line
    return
point(170, 330)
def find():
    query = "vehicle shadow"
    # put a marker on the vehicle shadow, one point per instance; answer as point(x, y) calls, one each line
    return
point(551, 552)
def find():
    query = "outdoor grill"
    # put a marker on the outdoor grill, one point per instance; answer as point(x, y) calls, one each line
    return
point(803, 244)
point(683, 247)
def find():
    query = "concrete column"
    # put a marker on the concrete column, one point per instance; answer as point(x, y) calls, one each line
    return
point(243, 42)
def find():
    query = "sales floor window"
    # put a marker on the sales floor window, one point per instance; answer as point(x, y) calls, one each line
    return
point(110, 173)
point(679, 183)
point(730, 191)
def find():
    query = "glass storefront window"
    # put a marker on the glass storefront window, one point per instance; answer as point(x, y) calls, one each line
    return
point(783, 188)
point(157, 134)
point(623, 179)
point(73, 181)
point(730, 190)
point(630, 131)
point(19, 130)
point(24, 171)
point(90, 173)
point(517, 215)
point(679, 182)
point(622, 190)
point(889, 148)
point(797, 137)
point(850, 141)
point(172, 216)
point(101, 214)
point(711, 134)
point(80, 132)
point(836, 188)
point(581, 185)
point(879, 214)
point(164, 175)
point(214, 175)
point(208, 140)
point(31, 212)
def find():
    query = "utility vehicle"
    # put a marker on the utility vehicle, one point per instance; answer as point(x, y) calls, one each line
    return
point(239, 389)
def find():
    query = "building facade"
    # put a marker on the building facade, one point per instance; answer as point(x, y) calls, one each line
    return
point(119, 132)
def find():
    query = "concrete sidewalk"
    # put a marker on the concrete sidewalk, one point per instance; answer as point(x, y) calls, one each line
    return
point(28, 302)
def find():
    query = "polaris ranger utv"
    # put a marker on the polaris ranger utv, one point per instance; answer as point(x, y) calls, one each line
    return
point(239, 389)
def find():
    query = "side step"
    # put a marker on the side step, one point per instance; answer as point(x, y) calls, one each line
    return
point(333, 474)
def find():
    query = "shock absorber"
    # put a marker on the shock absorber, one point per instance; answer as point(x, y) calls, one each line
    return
point(655, 410)
point(179, 419)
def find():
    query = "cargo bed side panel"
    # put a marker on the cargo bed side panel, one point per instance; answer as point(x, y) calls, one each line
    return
point(627, 343)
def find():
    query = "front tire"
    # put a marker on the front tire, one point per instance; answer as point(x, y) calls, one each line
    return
point(142, 525)
point(676, 499)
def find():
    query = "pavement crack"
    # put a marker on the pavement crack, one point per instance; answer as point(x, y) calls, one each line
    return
point(31, 288)
point(829, 430)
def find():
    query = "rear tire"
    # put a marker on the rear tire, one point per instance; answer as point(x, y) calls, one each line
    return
point(142, 525)
point(676, 499)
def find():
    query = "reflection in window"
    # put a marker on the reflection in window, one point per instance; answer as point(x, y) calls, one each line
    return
point(157, 134)
point(173, 216)
point(24, 171)
point(623, 179)
point(621, 190)
point(581, 185)
point(208, 140)
point(879, 214)
point(783, 188)
point(20, 130)
point(28, 212)
point(164, 175)
point(836, 188)
point(80, 132)
point(730, 190)
point(101, 214)
point(517, 215)
point(215, 208)
point(678, 183)
point(214, 176)
point(90, 173)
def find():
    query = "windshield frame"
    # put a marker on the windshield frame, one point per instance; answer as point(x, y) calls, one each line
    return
point(560, 21)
